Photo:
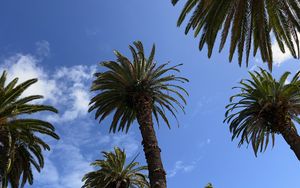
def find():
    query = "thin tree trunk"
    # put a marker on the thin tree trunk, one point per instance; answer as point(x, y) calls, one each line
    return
point(291, 136)
point(157, 175)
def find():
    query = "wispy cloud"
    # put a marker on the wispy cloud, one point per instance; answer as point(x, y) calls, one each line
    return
point(181, 167)
point(24, 67)
point(67, 88)
point(42, 48)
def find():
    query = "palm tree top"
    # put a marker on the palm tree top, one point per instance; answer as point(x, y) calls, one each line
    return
point(114, 172)
point(254, 113)
point(249, 22)
point(20, 145)
point(13, 107)
point(209, 185)
point(124, 80)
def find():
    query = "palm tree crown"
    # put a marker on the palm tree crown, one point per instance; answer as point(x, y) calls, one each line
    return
point(251, 21)
point(265, 107)
point(125, 80)
point(20, 147)
point(209, 185)
point(138, 90)
point(113, 172)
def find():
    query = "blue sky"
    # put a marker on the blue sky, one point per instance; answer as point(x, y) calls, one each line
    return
point(61, 42)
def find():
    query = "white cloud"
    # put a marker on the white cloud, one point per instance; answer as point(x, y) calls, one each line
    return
point(49, 175)
point(125, 141)
point(42, 48)
point(67, 87)
point(74, 85)
point(25, 67)
point(278, 56)
point(67, 175)
point(180, 166)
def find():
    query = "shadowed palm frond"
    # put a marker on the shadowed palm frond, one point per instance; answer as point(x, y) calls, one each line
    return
point(255, 113)
point(21, 148)
point(249, 22)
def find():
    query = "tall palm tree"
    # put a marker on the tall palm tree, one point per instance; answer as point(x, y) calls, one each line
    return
point(135, 90)
point(20, 146)
point(113, 172)
point(209, 185)
point(248, 21)
point(263, 108)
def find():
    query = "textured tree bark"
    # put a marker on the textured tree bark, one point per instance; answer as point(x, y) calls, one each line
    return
point(157, 175)
point(282, 123)
point(291, 136)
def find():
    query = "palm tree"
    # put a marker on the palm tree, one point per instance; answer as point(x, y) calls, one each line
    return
point(265, 107)
point(136, 90)
point(20, 147)
point(250, 21)
point(113, 172)
point(209, 185)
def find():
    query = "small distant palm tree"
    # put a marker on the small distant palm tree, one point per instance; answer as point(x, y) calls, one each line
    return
point(263, 108)
point(249, 22)
point(20, 147)
point(209, 185)
point(113, 172)
point(136, 90)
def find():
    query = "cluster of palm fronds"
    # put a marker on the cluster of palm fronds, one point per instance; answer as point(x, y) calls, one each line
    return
point(249, 22)
point(140, 89)
point(265, 107)
point(114, 173)
point(20, 147)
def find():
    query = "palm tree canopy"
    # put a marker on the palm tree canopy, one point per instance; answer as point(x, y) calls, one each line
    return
point(20, 146)
point(209, 185)
point(113, 172)
point(124, 80)
point(248, 21)
point(254, 113)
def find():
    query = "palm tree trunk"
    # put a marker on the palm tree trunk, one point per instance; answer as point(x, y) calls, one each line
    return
point(157, 175)
point(291, 136)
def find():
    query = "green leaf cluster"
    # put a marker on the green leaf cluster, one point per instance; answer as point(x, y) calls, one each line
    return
point(249, 22)
point(123, 80)
point(20, 144)
point(262, 103)
point(113, 172)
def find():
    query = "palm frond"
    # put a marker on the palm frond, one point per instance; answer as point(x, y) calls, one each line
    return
point(123, 80)
point(263, 105)
point(251, 23)
point(21, 148)
point(113, 171)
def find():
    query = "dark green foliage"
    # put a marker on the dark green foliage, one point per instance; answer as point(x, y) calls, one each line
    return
point(255, 113)
point(125, 79)
point(21, 148)
point(113, 172)
point(249, 22)
point(209, 185)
